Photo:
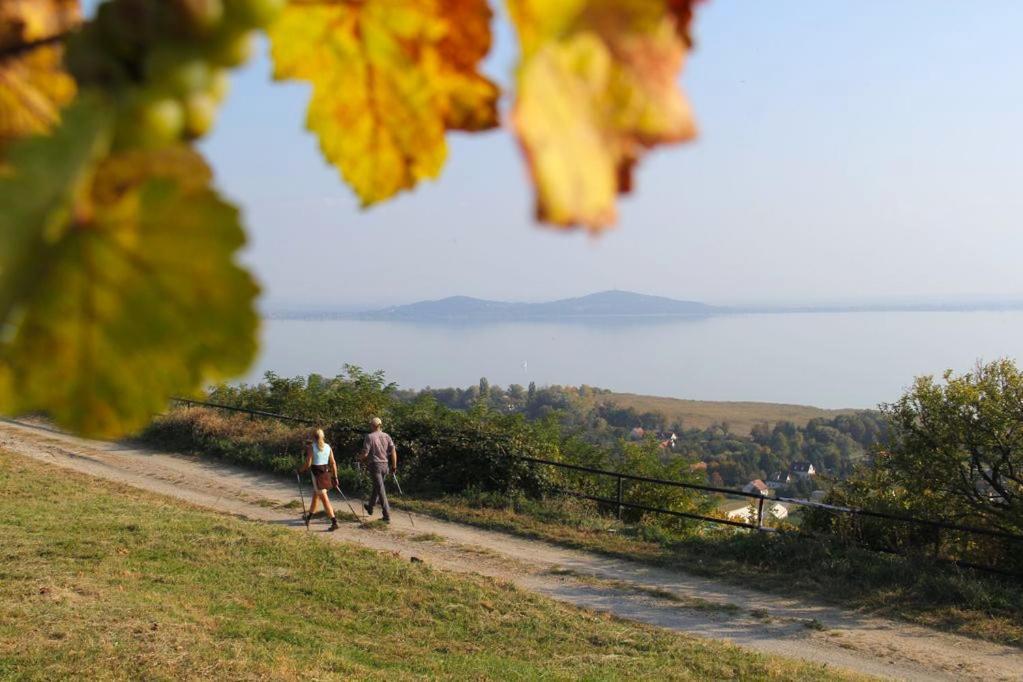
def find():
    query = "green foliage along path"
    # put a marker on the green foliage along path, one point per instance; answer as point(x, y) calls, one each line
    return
point(130, 585)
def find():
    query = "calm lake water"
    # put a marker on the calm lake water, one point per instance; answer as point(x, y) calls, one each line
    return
point(823, 359)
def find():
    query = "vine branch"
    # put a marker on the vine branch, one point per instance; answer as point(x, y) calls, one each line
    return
point(12, 51)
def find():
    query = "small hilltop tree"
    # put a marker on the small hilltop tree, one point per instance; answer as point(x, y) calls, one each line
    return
point(953, 453)
point(959, 444)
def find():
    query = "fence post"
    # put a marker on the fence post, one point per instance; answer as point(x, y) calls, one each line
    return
point(619, 498)
point(760, 512)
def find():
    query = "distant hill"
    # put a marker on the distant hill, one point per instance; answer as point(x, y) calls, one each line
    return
point(614, 304)
point(602, 304)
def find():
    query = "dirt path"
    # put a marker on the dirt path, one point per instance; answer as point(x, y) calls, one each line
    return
point(661, 597)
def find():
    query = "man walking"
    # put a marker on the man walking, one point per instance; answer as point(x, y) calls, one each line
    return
point(377, 452)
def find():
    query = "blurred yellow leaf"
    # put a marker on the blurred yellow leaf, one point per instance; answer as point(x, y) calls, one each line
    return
point(389, 78)
point(27, 21)
point(128, 293)
point(33, 83)
point(597, 87)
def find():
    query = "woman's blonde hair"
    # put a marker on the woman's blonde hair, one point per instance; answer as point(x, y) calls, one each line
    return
point(319, 436)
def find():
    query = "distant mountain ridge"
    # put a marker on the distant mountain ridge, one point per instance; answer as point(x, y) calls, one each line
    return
point(602, 304)
point(616, 304)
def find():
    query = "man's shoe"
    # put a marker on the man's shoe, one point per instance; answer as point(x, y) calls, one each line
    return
point(387, 519)
point(369, 509)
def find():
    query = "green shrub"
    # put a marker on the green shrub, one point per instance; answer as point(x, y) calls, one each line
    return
point(445, 451)
point(954, 455)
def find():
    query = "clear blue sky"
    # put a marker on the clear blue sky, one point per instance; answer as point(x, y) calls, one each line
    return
point(849, 150)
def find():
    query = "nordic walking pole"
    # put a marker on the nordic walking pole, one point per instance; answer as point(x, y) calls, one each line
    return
point(301, 496)
point(337, 487)
point(398, 485)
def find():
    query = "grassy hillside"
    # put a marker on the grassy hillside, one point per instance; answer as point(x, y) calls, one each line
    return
point(741, 416)
point(99, 581)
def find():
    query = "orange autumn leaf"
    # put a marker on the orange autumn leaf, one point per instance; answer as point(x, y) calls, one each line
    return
point(33, 83)
point(389, 78)
point(597, 88)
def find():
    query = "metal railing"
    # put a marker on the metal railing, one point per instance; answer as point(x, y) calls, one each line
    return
point(619, 503)
point(758, 525)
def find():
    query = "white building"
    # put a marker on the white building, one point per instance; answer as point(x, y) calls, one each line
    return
point(748, 513)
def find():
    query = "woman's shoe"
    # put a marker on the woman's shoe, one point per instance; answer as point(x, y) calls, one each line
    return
point(307, 518)
point(333, 523)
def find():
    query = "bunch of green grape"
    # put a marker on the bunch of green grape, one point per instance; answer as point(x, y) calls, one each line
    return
point(166, 62)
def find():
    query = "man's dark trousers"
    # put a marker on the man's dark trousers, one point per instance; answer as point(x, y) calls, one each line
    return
point(377, 474)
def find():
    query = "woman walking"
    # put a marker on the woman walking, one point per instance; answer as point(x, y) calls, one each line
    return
point(320, 458)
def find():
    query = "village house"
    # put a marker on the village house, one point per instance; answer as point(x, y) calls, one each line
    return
point(743, 513)
point(758, 487)
point(803, 469)
point(779, 479)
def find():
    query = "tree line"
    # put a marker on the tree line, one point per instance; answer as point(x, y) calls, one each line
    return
point(832, 445)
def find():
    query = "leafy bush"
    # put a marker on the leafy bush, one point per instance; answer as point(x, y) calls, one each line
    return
point(955, 454)
point(447, 451)
point(648, 459)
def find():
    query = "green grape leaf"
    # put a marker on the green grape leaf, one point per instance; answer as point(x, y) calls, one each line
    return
point(37, 199)
point(389, 78)
point(136, 299)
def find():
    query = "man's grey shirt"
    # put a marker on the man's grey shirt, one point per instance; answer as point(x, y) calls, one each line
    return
point(377, 446)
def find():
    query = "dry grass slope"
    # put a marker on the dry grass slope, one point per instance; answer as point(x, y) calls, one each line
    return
point(740, 416)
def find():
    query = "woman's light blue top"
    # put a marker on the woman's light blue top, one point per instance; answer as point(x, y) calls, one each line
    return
point(321, 457)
